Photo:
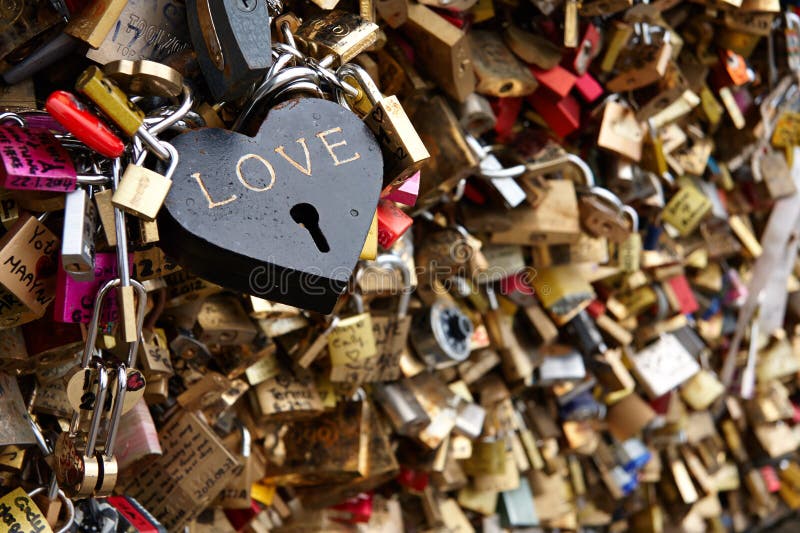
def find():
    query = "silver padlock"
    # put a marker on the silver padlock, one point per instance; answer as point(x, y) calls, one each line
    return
point(401, 407)
point(77, 243)
point(441, 335)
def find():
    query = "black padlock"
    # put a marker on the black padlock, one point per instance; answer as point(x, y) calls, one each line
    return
point(232, 41)
point(282, 215)
point(583, 331)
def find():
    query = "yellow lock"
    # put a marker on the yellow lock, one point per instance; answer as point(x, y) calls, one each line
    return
point(370, 249)
point(110, 98)
point(562, 287)
point(115, 104)
point(351, 345)
point(686, 209)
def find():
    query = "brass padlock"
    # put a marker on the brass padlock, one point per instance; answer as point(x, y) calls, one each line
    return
point(403, 150)
point(352, 346)
point(338, 35)
point(236, 495)
point(391, 330)
point(78, 468)
point(141, 191)
point(602, 220)
point(24, 251)
point(448, 61)
point(499, 73)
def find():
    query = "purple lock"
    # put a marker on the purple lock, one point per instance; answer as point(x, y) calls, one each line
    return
point(33, 160)
point(40, 119)
point(406, 193)
point(74, 301)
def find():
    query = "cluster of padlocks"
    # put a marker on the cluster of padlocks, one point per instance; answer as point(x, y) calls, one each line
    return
point(399, 265)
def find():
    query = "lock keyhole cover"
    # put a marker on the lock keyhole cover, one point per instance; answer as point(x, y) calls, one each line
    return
point(306, 216)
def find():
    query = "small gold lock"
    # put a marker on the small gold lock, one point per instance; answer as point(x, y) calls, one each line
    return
point(141, 191)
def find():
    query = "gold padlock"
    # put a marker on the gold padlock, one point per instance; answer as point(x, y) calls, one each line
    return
point(141, 191)
point(403, 150)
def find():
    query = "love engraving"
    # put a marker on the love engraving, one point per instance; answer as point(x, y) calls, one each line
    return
point(280, 150)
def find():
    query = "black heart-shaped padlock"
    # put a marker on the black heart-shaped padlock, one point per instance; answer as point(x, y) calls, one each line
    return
point(282, 215)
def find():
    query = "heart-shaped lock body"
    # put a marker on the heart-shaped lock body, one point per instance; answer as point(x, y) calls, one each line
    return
point(282, 215)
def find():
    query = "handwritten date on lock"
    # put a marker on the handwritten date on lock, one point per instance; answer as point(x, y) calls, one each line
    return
point(283, 213)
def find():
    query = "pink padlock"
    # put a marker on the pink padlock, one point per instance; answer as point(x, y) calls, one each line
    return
point(33, 160)
point(406, 193)
point(74, 301)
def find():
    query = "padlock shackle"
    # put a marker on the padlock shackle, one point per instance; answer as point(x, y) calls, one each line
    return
point(246, 438)
point(173, 157)
point(116, 412)
point(366, 85)
point(97, 412)
point(41, 441)
point(120, 227)
point(393, 262)
point(70, 507)
point(276, 85)
point(535, 168)
point(94, 323)
point(611, 198)
point(175, 116)
point(19, 119)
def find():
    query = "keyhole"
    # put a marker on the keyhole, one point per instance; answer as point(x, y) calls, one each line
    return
point(307, 217)
point(246, 5)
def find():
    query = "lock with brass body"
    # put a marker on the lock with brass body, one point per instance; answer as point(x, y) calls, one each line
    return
point(403, 150)
point(351, 344)
point(336, 37)
point(391, 330)
point(49, 498)
point(141, 191)
point(603, 220)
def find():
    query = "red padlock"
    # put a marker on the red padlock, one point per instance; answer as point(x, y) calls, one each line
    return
point(678, 288)
point(587, 50)
point(415, 480)
point(661, 404)
point(588, 88)
point(88, 128)
point(558, 80)
point(405, 193)
point(392, 223)
point(563, 115)
point(596, 308)
point(730, 70)
point(770, 477)
point(506, 110)
point(473, 193)
point(516, 288)
point(356, 510)
point(241, 518)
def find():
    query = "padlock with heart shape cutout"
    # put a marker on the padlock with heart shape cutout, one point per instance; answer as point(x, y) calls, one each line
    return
point(282, 215)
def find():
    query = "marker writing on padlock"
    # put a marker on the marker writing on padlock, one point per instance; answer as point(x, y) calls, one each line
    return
point(32, 159)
